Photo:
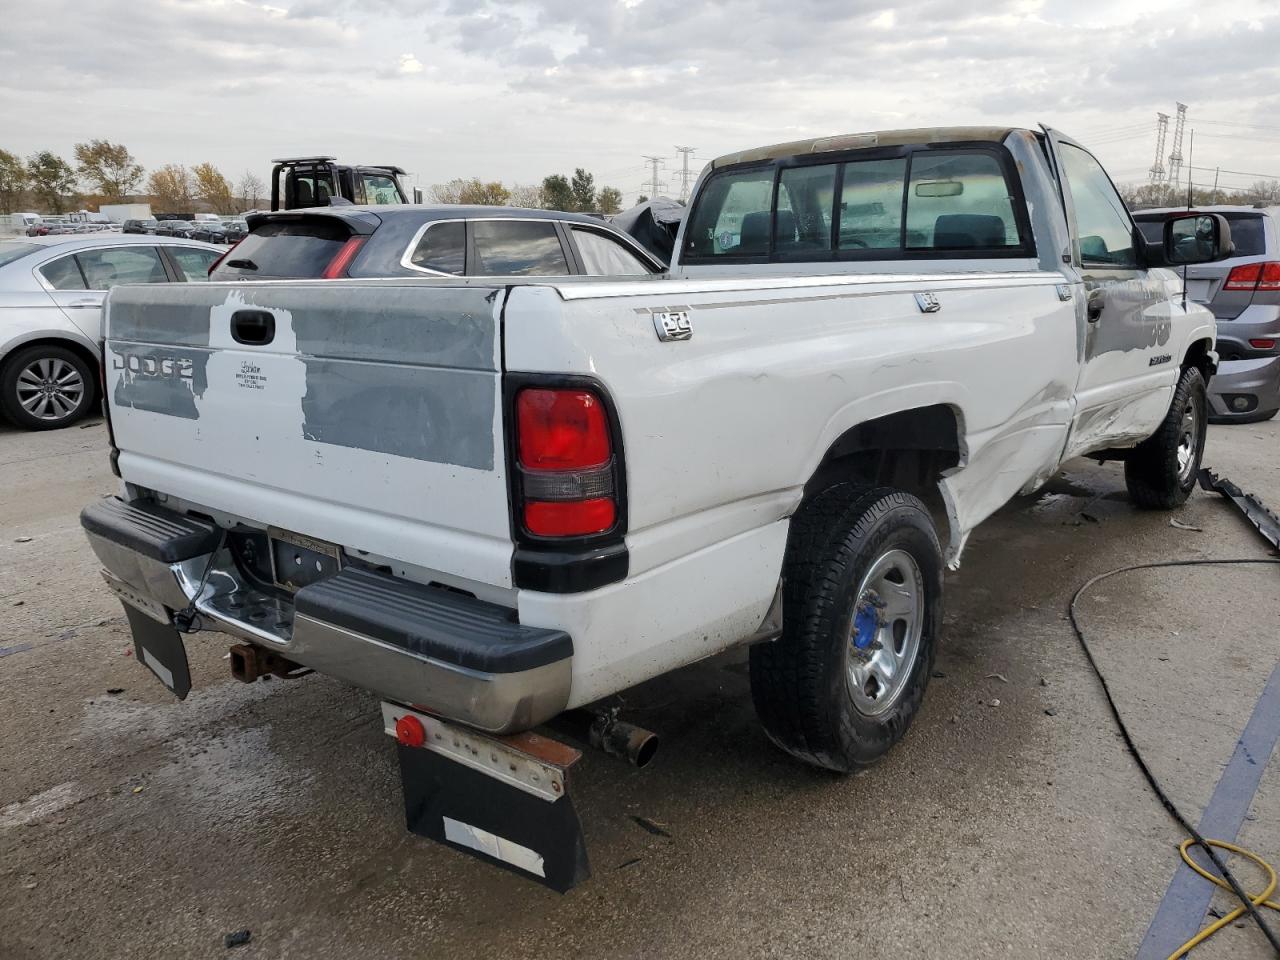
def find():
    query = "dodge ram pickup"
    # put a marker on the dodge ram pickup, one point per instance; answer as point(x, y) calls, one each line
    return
point(493, 500)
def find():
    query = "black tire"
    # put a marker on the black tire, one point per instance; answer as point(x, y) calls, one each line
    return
point(1155, 472)
point(803, 683)
point(74, 397)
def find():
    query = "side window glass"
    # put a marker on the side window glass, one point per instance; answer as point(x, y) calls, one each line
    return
point(193, 262)
point(63, 274)
point(871, 205)
point(605, 257)
point(1106, 233)
point(733, 216)
point(805, 198)
point(518, 248)
point(443, 247)
point(959, 201)
point(103, 269)
point(379, 189)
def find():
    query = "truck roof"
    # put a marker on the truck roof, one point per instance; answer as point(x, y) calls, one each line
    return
point(856, 141)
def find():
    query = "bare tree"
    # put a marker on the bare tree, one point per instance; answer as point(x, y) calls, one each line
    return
point(473, 191)
point(526, 195)
point(250, 191)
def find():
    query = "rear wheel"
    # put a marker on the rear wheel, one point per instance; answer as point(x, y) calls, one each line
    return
point(1160, 472)
point(861, 609)
point(45, 387)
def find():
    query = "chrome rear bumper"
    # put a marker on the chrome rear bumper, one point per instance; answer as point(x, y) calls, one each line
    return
point(446, 653)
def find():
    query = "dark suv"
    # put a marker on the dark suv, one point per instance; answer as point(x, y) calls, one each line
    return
point(1244, 294)
point(140, 226)
point(440, 241)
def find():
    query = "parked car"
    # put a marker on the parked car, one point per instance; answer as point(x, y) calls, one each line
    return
point(177, 228)
point(491, 500)
point(147, 226)
point(438, 240)
point(51, 294)
point(235, 230)
point(1244, 294)
point(210, 231)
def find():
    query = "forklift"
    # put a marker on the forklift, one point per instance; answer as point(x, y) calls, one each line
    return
point(299, 182)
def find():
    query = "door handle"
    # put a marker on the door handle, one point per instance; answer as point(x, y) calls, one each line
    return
point(1093, 311)
point(253, 328)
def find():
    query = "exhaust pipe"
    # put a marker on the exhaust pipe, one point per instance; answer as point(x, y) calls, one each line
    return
point(604, 731)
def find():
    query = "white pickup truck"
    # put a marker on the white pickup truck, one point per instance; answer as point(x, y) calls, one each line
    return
point(491, 500)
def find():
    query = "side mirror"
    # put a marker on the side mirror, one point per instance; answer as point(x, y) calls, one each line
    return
point(1197, 238)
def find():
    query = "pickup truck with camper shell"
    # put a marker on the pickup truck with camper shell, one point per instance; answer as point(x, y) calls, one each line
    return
point(492, 500)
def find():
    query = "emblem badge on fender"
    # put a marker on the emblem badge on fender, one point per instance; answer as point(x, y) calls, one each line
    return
point(672, 325)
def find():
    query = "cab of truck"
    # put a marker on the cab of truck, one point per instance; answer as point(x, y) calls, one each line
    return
point(301, 182)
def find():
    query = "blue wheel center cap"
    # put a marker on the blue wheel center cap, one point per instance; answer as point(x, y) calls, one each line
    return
point(865, 624)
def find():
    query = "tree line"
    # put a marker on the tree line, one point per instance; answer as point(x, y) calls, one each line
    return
point(556, 192)
point(106, 172)
point(1138, 196)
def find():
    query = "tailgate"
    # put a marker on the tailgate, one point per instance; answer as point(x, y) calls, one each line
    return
point(367, 414)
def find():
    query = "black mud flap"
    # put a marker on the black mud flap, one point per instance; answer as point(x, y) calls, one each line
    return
point(160, 649)
point(502, 824)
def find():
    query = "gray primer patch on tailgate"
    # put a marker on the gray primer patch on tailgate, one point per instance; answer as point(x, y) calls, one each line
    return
point(453, 327)
point(180, 316)
point(425, 413)
point(159, 379)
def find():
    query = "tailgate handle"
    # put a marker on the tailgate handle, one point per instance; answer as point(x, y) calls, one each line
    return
point(253, 327)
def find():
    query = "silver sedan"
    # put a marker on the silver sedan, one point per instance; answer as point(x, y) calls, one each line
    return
point(51, 294)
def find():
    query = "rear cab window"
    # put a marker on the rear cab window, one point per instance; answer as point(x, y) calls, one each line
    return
point(935, 201)
point(295, 249)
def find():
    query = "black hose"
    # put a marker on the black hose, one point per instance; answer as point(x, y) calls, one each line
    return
point(1163, 797)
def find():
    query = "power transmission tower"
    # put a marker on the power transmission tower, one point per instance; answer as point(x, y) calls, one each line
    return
point(1162, 131)
point(654, 183)
point(1175, 155)
point(684, 172)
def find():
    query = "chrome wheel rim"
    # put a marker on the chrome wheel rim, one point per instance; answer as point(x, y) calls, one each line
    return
point(50, 388)
point(884, 637)
point(1188, 440)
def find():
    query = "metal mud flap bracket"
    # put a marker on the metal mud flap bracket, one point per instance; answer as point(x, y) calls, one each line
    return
point(504, 800)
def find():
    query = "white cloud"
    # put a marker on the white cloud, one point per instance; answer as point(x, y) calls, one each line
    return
point(522, 88)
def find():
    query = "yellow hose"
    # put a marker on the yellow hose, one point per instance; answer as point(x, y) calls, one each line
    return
point(1259, 899)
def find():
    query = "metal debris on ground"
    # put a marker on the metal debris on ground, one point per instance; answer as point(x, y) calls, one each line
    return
point(652, 826)
point(998, 676)
point(1175, 522)
point(1255, 510)
point(22, 540)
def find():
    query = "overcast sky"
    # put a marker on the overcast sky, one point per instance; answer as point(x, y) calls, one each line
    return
point(514, 91)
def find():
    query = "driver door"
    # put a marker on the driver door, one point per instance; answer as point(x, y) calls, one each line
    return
point(1127, 371)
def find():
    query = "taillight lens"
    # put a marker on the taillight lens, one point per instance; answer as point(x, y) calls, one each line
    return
point(564, 455)
point(1263, 343)
point(338, 265)
point(1254, 276)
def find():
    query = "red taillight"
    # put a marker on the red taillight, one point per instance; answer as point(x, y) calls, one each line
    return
point(1263, 344)
point(1254, 276)
point(564, 453)
point(338, 265)
point(561, 429)
point(571, 518)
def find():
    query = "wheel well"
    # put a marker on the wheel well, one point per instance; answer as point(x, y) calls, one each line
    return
point(908, 450)
point(1198, 357)
point(79, 349)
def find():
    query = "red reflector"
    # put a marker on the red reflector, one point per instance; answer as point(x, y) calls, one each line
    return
point(570, 518)
point(1270, 279)
point(338, 265)
point(1262, 344)
point(410, 731)
point(561, 430)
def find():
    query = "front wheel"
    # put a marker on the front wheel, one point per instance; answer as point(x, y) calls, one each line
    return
point(1160, 472)
point(861, 608)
